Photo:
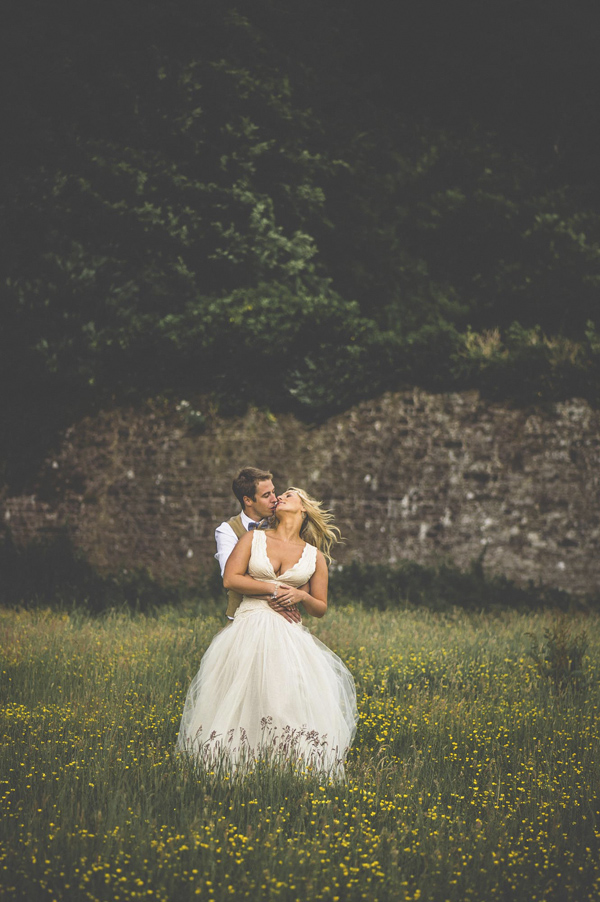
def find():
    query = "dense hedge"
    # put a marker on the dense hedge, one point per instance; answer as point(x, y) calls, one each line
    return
point(52, 573)
point(443, 587)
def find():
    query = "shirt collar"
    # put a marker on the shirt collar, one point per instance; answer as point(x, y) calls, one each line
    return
point(246, 520)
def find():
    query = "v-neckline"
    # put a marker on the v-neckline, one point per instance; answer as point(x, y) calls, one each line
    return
point(289, 569)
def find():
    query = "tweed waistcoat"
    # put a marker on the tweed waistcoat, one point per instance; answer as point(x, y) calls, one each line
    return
point(234, 599)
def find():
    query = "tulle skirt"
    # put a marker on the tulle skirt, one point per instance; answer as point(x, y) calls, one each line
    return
point(267, 688)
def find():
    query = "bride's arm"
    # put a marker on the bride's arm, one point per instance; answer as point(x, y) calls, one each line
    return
point(315, 599)
point(236, 575)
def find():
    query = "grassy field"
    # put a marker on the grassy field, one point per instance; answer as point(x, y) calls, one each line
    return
point(472, 777)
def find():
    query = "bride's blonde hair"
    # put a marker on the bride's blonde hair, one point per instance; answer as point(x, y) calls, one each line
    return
point(317, 527)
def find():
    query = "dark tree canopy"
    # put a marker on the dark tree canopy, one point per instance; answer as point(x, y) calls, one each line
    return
point(344, 197)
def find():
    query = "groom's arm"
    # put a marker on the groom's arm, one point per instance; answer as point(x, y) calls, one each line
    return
point(226, 541)
point(236, 577)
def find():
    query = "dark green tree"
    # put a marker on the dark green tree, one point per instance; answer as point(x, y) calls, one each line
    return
point(295, 204)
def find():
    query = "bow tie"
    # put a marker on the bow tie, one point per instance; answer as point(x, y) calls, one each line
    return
point(262, 524)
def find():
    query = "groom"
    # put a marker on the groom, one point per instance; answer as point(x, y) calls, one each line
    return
point(255, 491)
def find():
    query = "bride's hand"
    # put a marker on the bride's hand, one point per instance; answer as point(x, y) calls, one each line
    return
point(288, 596)
point(288, 611)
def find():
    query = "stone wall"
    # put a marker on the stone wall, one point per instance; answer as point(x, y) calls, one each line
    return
point(410, 475)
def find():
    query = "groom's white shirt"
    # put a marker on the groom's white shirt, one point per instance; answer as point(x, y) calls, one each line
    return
point(226, 540)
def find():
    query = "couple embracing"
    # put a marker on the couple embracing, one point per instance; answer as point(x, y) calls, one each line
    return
point(266, 687)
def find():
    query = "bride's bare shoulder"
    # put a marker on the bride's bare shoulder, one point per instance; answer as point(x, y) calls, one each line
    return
point(320, 559)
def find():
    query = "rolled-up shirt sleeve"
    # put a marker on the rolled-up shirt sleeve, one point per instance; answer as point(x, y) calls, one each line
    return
point(226, 541)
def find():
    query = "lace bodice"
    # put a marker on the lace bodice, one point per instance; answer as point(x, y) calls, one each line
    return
point(261, 567)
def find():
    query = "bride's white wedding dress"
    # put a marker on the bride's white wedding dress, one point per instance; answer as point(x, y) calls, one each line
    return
point(267, 687)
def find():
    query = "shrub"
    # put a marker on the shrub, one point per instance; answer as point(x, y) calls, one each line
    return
point(53, 573)
point(559, 657)
point(528, 366)
point(441, 587)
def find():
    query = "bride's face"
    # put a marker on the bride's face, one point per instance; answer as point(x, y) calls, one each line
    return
point(289, 501)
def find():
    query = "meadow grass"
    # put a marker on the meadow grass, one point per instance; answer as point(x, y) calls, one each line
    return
point(471, 777)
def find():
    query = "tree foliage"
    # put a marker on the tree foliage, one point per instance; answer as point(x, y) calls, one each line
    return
point(200, 197)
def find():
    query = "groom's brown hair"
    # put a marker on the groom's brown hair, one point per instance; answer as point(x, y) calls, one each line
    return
point(244, 484)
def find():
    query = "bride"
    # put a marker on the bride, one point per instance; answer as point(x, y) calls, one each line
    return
point(266, 687)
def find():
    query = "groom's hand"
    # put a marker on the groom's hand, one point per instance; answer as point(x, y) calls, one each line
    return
point(292, 615)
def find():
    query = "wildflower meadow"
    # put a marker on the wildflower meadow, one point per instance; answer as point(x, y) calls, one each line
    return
point(475, 773)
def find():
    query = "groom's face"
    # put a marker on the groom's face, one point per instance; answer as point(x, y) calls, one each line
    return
point(264, 501)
